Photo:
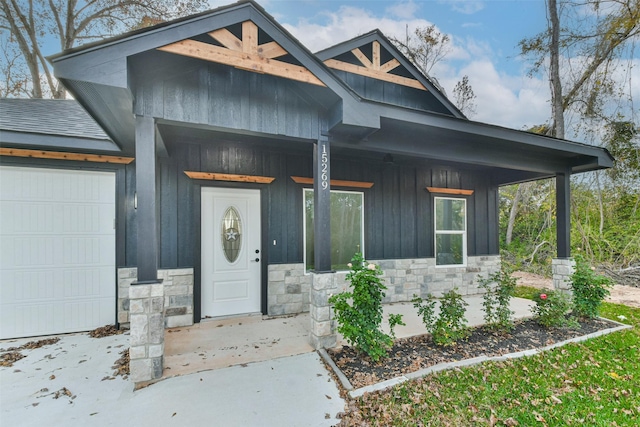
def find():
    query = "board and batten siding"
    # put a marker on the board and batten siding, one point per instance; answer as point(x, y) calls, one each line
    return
point(398, 208)
point(392, 93)
point(225, 97)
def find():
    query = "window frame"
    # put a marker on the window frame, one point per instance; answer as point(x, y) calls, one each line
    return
point(304, 225)
point(463, 233)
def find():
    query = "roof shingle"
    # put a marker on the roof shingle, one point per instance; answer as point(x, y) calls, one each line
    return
point(48, 117)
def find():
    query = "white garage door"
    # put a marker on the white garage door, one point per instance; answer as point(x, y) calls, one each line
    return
point(57, 251)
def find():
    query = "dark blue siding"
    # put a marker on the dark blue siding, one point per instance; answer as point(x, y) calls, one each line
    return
point(398, 208)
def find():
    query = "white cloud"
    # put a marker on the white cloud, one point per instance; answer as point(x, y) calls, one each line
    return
point(346, 23)
point(467, 7)
point(516, 102)
point(507, 100)
point(403, 10)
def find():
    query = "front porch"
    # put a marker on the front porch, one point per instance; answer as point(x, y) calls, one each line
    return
point(220, 343)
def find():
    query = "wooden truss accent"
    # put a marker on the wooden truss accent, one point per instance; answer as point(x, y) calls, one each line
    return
point(372, 68)
point(57, 155)
point(453, 191)
point(245, 54)
point(211, 176)
point(334, 182)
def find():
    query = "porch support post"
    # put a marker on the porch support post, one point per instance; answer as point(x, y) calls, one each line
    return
point(323, 333)
point(146, 214)
point(563, 266)
point(322, 205)
point(563, 214)
point(146, 295)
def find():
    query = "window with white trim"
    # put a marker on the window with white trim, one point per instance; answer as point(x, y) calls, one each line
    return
point(450, 231)
point(347, 227)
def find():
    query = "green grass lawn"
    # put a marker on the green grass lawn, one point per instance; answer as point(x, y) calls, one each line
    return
point(595, 383)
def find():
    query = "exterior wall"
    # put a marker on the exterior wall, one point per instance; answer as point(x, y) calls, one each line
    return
point(178, 296)
point(289, 287)
point(398, 203)
point(407, 277)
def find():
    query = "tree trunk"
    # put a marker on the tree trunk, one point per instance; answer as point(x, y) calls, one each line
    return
point(600, 205)
point(556, 84)
point(513, 213)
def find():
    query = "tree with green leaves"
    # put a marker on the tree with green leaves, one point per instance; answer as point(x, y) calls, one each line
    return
point(587, 51)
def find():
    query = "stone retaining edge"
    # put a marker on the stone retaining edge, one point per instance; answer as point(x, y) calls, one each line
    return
point(353, 393)
point(346, 384)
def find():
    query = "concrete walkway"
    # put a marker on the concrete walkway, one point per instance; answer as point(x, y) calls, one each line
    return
point(276, 380)
point(70, 384)
point(215, 344)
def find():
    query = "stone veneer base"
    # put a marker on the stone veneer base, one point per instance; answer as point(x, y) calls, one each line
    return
point(289, 286)
point(177, 301)
point(562, 269)
point(146, 352)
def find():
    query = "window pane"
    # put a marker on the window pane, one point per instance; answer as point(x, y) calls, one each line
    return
point(449, 249)
point(346, 228)
point(450, 214)
point(231, 234)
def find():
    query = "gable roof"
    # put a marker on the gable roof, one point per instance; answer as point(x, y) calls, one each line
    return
point(50, 122)
point(100, 76)
point(373, 55)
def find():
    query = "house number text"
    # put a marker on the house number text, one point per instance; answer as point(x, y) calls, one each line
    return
point(324, 168)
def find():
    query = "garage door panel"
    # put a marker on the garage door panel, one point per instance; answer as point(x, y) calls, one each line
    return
point(47, 319)
point(55, 285)
point(57, 251)
point(55, 218)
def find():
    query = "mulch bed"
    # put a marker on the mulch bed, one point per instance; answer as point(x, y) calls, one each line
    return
point(419, 352)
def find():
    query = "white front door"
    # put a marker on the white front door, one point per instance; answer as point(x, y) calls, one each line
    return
point(230, 251)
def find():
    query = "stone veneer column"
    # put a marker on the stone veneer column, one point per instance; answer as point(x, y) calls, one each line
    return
point(323, 333)
point(562, 269)
point(146, 317)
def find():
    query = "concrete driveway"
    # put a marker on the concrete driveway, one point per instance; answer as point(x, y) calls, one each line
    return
point(71, 383)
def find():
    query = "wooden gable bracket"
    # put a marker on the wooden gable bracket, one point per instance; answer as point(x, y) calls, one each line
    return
point(373, 68)
point(245, 54)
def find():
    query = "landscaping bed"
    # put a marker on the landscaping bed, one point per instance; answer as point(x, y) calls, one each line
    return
point(419, 352)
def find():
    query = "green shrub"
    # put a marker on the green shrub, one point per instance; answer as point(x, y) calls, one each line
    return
point(426, 310)
point(499, 288)
point(359, 312)
point(450, 325)
point(552, 309)
point(589, 290)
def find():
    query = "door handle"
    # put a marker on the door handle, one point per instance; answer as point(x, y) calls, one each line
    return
point(257, 260)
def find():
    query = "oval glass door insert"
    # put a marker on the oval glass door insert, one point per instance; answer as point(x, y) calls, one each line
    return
point(231, 234)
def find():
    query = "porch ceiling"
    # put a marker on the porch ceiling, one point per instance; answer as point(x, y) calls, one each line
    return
point(414, 144)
